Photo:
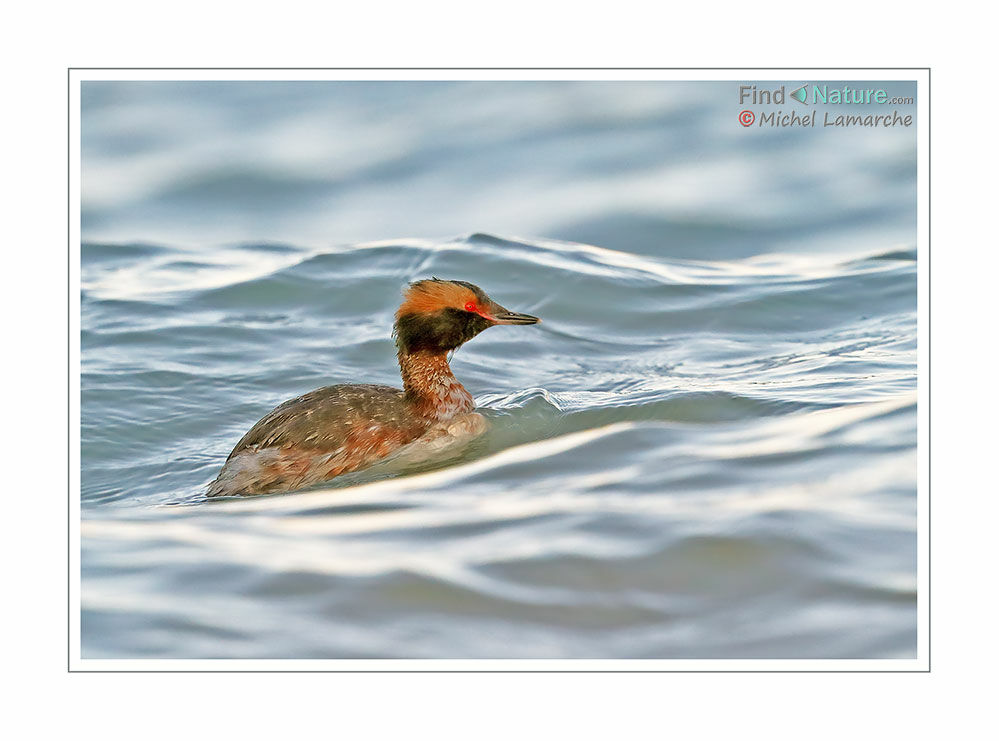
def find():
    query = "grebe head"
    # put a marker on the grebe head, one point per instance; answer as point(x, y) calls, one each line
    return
point(440, 315)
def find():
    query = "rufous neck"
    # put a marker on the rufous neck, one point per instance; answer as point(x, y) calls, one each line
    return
point(431, 386)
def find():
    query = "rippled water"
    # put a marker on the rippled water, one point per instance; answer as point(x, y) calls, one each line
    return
point(708, 448)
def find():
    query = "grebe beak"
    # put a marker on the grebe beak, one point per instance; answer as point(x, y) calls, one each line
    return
point(502, 316)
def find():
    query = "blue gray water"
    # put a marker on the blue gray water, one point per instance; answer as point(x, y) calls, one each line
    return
point(707, 450)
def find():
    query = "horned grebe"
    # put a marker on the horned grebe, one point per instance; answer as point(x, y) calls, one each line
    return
point(339, 429)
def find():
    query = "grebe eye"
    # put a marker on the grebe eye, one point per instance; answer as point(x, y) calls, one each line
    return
point(470, 306)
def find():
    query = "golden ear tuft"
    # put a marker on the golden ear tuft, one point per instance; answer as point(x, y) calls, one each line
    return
point(425, 296)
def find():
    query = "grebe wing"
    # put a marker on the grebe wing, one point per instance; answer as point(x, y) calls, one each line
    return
point(324, 418)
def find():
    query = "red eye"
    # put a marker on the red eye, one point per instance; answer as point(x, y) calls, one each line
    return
point(470, 306)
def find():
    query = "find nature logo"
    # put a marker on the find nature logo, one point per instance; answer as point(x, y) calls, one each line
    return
point(823, 95)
